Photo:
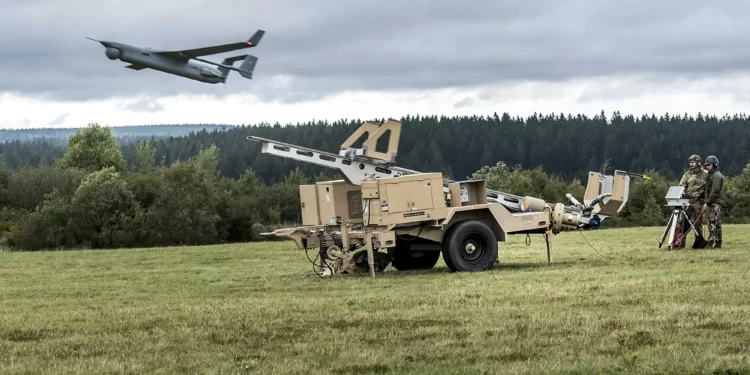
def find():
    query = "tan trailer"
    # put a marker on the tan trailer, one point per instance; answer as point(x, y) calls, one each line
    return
point(382, 216)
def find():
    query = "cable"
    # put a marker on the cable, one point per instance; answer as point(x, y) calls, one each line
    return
point(323, 262)
point(415, 236)
point(685, 233)
point(592, 247)
point(313, 263)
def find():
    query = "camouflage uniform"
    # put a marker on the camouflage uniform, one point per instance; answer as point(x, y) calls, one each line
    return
point(694, 181)
point(714, 198)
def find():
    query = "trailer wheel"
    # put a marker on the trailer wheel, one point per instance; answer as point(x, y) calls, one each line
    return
point(470, 246)
point(406, 259)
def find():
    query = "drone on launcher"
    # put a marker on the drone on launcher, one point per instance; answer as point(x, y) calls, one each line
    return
point(187, 63)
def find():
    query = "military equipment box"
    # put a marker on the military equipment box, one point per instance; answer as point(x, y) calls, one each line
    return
point(404, 199)
point(330, 202)
point(467, 193)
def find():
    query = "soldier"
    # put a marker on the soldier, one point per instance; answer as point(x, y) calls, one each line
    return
point(694, 181)
point(714, 198)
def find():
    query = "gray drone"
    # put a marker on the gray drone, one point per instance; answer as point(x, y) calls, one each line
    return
point(187, 63)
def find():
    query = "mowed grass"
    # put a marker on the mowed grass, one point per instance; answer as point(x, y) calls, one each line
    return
point(251, 308)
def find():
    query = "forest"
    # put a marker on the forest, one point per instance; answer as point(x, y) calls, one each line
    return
point(98, 190)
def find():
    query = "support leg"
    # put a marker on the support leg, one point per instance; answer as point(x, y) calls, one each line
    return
point(666, 230)
point(345, 237)
point(370, 253)
point(678, 241)
point(673, 228)
point(549, 254)
point(684, 230)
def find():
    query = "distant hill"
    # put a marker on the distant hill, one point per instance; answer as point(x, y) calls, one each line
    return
point(123, 132)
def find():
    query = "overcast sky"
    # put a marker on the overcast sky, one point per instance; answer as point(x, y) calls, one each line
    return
point(362, 59)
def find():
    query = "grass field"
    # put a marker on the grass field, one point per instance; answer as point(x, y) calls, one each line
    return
point(249, 308)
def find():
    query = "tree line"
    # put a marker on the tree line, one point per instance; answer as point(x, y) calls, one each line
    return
point(565, 145)
point(57, 135)
point(101, 194)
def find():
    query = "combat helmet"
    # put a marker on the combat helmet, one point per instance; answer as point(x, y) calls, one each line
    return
point(695, 158)
point(713, 160)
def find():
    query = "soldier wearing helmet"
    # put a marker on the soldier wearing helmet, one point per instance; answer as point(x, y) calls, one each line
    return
point(694, 181)
point(713, 199)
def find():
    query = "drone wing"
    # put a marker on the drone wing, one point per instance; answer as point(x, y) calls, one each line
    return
point(212, 50)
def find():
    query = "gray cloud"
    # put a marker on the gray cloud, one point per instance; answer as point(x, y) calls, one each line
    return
point(465, 102)
point(316, 48)
point(59, 120)
point(141, 105)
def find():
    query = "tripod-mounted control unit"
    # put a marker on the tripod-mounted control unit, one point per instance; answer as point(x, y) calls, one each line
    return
point(677, 220)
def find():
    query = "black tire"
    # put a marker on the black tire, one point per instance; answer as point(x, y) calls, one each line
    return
point(459, 258)
point(445, 251)
point(404, 259)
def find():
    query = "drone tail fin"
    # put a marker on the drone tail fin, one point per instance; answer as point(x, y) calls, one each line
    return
point(245, 69)
point(248, 66)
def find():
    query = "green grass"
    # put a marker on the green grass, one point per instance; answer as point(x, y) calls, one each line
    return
point(249, 308)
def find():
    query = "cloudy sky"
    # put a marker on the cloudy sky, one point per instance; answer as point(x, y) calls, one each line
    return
point(365, 58)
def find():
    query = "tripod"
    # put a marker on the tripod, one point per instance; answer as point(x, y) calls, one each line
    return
point(675, 199)
point(676, 236)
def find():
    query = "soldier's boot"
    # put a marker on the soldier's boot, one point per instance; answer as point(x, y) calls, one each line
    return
point(709, 244)
point(717, 245)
